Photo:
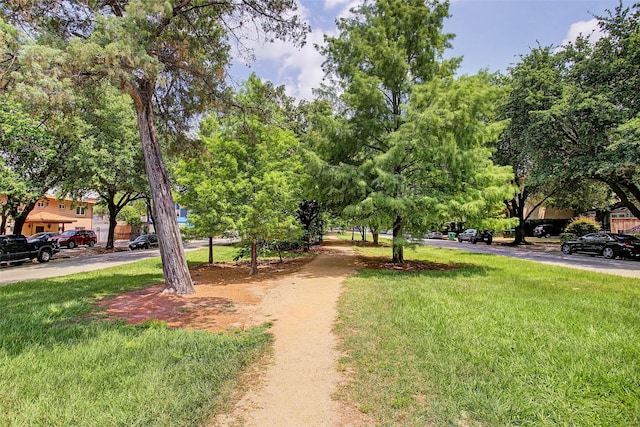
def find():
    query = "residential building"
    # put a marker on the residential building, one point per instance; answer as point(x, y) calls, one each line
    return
point(52, 214)
point(621, 220)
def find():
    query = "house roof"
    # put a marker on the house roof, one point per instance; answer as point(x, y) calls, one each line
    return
point(49, 217)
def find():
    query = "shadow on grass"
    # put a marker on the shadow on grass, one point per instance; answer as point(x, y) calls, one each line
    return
point(47, 312)
point(454, 271)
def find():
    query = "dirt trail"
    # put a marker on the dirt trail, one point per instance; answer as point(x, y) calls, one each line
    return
point(297, 387)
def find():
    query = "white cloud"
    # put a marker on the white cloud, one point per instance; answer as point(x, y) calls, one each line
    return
point(299, 69)
point(331, 4)
point(585, 28)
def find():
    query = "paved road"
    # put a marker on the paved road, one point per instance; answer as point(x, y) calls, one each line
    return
point(618, 267)
point(62, 265)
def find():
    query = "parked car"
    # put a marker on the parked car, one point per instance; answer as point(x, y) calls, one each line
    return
point(73, 238)
point(546, 230)
point(606, 244)
point(145, 241)
point(433, 235)
point(15, 249)
point(43, 237)
point(472, 235)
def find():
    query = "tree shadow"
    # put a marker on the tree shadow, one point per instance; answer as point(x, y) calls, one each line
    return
point(44, 313)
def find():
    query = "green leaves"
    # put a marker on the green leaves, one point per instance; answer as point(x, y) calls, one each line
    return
point(412, 148)
point(249, 176)
point(573, 112)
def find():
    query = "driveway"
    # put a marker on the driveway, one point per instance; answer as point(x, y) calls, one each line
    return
point(70, 261)
point(547, 254)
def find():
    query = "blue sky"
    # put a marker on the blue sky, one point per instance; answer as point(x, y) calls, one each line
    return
point(489, 34)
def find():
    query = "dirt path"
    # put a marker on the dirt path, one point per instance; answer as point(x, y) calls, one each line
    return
point(297, 387)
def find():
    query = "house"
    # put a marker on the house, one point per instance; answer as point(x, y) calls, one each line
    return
point(621, 220)
point(547, 213)
point(52, 214)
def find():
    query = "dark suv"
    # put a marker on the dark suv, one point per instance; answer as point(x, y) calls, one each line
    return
point(546, 230)
point(73, 238)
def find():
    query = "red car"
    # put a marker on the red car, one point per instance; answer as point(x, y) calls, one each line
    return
point(73, 238)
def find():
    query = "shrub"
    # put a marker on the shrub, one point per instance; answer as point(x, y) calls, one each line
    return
point(582, 225)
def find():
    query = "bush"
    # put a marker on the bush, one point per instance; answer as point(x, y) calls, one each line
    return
point(567, 236)
point(582, 225)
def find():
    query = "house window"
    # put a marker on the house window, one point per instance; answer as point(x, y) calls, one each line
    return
point(41, 205)
point(62, 206)
point(81, 211)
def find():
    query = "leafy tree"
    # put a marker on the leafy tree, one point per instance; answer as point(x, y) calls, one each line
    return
point(586, 131)
point(33, 161)
point(413, 144)
point(169, 57)
point(532, 84)
point(309, 214)
point(113, 166)
point(248, 177)
point(40, 134)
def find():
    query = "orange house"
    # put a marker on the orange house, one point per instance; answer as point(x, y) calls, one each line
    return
point(51, 214)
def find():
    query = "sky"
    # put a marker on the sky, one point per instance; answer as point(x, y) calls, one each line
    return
point(489, 34)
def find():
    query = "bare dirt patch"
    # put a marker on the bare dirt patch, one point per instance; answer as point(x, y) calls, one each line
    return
point(225, 297)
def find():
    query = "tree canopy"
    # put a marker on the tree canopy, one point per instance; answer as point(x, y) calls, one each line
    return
point(574, 112)
point(170, 57)
point(411, 142)
point(248, 177)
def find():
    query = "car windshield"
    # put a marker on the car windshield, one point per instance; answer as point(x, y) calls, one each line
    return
point(69, 233)
point(35, 236)
point(140, 238)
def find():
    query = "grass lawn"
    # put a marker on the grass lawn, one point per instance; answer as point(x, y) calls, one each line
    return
point(495, 342)
point(61, 366)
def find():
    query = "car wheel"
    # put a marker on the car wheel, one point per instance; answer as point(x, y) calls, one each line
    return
point(547, 235)
point(474, 240)
point(91, 243)
point(71, 244)
point(44, 255)
point(566, 249)
point(608, 253)
point(459, 240)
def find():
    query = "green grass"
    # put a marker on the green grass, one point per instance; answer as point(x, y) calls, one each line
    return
point(496, 342)
point(60, 365)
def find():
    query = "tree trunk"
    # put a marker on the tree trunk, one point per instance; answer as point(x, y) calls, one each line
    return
point(210, 250)
point(363, 231)
point(254, 257)
point(376, 239)
point(624, 198)
point(20, 218)
point(516, 209)
point(174, 263)
point(398, 245)
point(113, 213)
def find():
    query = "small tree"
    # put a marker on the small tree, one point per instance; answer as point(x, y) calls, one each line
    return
point(248, 176)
